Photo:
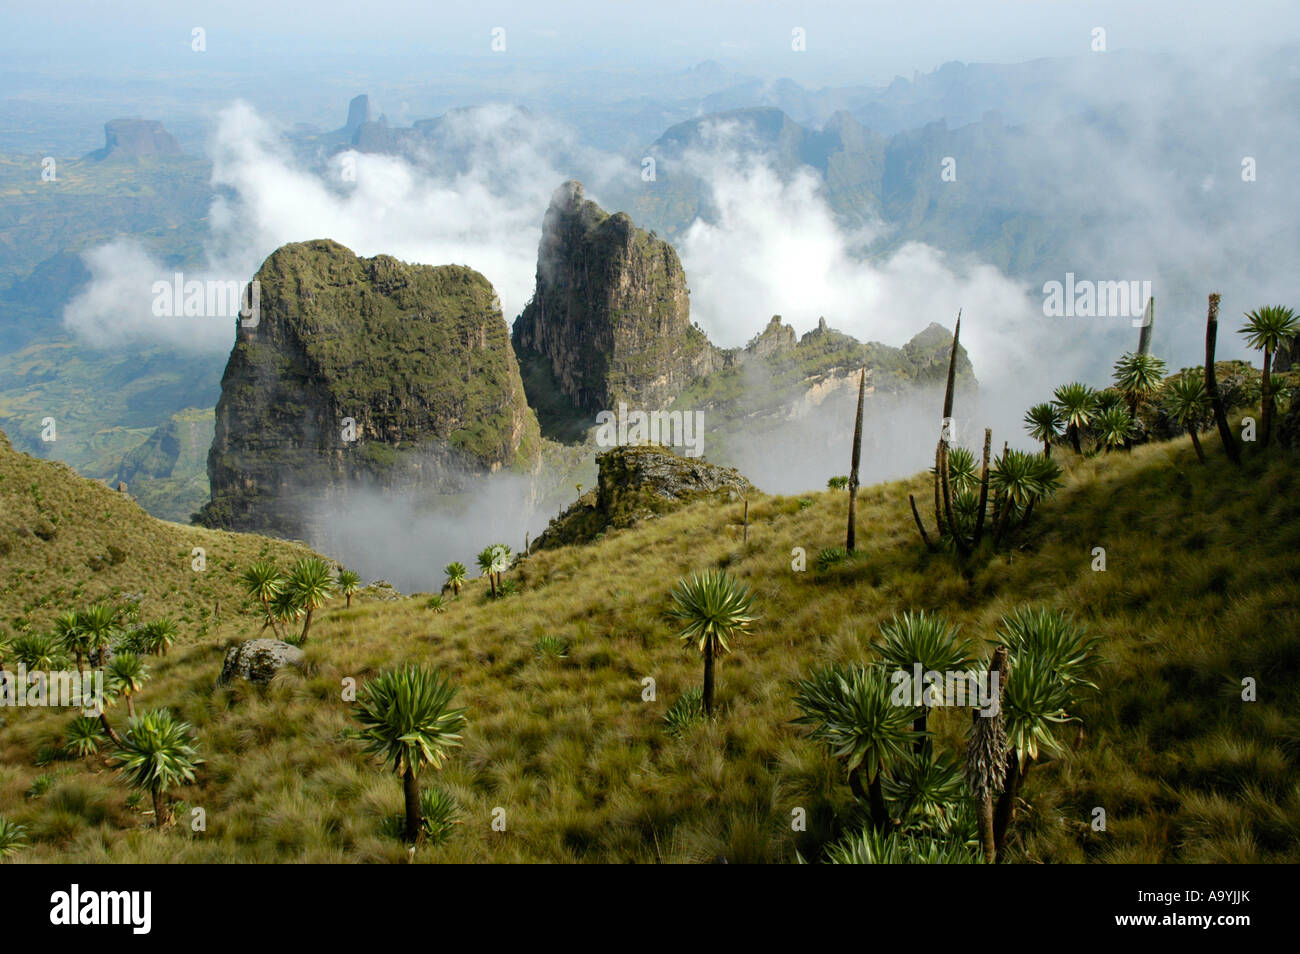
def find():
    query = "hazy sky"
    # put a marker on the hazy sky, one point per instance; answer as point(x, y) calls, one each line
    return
point(847, 40)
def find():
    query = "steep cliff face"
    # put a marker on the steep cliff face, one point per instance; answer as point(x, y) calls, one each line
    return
point(611, 312)
point(362, 371)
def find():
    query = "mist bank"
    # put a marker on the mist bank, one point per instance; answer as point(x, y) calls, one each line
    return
point(408, 539)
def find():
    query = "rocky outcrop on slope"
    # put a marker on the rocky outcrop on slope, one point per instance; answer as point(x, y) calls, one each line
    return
point(775, 339)
point(638, 483)
point(258, 660)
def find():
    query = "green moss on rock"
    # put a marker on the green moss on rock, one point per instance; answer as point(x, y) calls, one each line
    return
point(638, 483)
point(363, 369)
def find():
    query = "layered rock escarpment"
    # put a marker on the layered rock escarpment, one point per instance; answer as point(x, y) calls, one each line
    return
point(800, 397)
point(362, 372)
point(611, 312)
point(780, 376)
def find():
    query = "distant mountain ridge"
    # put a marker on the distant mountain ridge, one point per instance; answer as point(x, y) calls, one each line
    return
point(135, 138)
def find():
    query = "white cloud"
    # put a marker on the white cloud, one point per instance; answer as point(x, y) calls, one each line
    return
point(485, 213)
point(776, 248)
point(117, 307)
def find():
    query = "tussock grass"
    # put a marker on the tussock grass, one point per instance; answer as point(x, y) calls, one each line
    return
point(56, 531)
point(1198, 593)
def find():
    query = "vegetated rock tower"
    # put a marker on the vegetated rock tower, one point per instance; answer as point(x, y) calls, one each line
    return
point(611, 311)
point(362, 372)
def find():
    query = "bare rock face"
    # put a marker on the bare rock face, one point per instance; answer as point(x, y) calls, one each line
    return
point(258, 660)
point(1288, 357)
point(775, 339)
point(362, 372)
point(611, 311)
point(133, 138)
point(358, 112)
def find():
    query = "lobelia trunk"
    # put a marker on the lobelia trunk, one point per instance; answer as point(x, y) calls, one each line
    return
point(1148, 324)
point(306, 627)
point(946, 486)
point(851, 538)
point(952, 370)
point(873, 795)
point(938, 498)
point(987, 737)
point(944, 439)
point(1003, 517)
point(984, 821)
point(1005, 512)
point(1212, 385)
point(411, 791)
point(1196, 443)
point(109, 730)
point(1029, 509)
point(879, 812)
point(984, 487)
point(159, 807)
point(916, 515)
point(276, 626)
point(1007, 800)
point(1266, 398)
point(708, 678)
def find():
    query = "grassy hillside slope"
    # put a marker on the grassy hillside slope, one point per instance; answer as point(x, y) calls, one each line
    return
point(66, 541)
point(1198, 593)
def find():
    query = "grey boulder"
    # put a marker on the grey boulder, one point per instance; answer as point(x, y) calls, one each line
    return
point(258, 660)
